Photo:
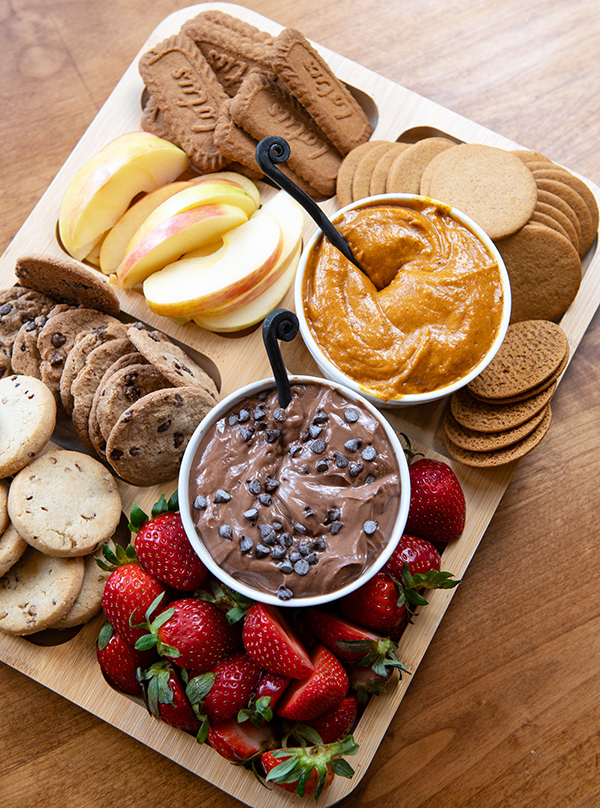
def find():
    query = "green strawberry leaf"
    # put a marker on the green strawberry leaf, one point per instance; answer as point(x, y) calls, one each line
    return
point(104, 637)
point(198, 688)
point(341, 767)
point(137, 518)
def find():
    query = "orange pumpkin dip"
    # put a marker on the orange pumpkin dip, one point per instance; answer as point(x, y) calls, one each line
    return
point(424, 312)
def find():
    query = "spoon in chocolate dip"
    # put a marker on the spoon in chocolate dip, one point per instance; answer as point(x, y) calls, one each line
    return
point(273, 150)
point(280, 324)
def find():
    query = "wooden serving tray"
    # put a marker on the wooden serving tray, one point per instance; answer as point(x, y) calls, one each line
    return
point(69, 667)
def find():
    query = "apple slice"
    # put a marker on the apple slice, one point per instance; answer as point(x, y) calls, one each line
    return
point(257, 310)
point(101, 191)
point(174, 237)
point(194, 285)
point(233, 176)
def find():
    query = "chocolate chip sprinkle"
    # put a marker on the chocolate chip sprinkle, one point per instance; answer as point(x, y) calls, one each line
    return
point(370, 526)
point(279, 414)
point(284, 593)
point(262, 551)
point(340, 460)
point(351, 415)
point(251, 514)
point(355, 469)
point(286, 567)
point(226, 532)
point(335, 527)
point(246, 543)
point(318, 446)
point(265, 499)
point(200, 502)
point(254, 487)
point(369, 453)
point(222, 496)
point(353, 445)
point(271, 484)
point(301, 567)
point(278, 552)
point(369, 479)
point(314, 430)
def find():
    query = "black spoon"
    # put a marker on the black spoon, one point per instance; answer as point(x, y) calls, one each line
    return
point(280, 324)
point(273, 150)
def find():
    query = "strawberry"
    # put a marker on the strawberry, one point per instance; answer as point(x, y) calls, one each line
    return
point(420, 555)
point(365, 682)
point(239, 743)
point(374, 605)
point(269, 690)
point(163, 547)
point(308, 769)
point(119, 661)
point(192, 633)
point(271, 641)
point(437, 509)
point(353, 643)
point(165, 698)
point(337, 722)
point(129, 592)
point(317, 692)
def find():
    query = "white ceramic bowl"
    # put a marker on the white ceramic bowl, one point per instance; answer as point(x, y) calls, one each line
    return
point(332, 372)
point(184, 500)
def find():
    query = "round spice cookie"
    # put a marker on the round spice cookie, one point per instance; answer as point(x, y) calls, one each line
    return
point(577, 184)
point(89, 601)
point(37, 591)
point(382, 168)
point(124, 388)
point(481, 416)
point(562, 220)
point(361, 181)
point(4, 520)
point(147, 443)
point(576, 202)
point(67, 281)
point(544, 270)
point(488, 441)
point(65, 504)
point(26, 357)
point(528, 156)
point(12, 547)
point(500, 457)
point(347, 168)
point(405, 172)
point(490, 185)
point(27, 421)
point(559, 204)
point(58, 337)
point(539, 388)
point(542, 218)
point(171, 360)
point(530, 353)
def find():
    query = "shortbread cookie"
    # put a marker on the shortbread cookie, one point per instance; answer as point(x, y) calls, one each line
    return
point(89, 601)
point(407, 169)
point(148, 441)
point(4, 520)
point(544, 271)
point(184, 86)
point(12, 547)
point(481, 416)
point(65, 504)
point(27, 421)
point(171, 360)
point(310, 79)
point(490, 185)
point(37, 591)
point(488, 441)
point(67, 281)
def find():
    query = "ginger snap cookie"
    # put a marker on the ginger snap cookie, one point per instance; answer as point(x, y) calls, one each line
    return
point(37, 591)
point(382, 167)
point(27, 421)
point(363, 174)
point(405, 172)
point(577, 204)
point(550, 382)
point(565, 225)
point(544, 271)
point(475, 441)
point(65, 504)
point(328, 101)
point(483, 416)
point(577, 184)
point(528, 156)
point(345, 175)
point(147, 443)
point(12, 547)
point(67, 281)
point(492, 186)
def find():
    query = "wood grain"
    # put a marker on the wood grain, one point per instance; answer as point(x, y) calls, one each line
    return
point(502, 710)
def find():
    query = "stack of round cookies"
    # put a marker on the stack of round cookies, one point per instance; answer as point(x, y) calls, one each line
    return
point(505, 411)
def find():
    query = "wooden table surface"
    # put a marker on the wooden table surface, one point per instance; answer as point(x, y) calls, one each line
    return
point(504, 710)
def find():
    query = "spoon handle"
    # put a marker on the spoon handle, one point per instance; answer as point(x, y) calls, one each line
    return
point(280, 324)
point(274, 149)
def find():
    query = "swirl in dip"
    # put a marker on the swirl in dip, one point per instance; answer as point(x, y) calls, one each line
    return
point(424, 312)
point(298, 501)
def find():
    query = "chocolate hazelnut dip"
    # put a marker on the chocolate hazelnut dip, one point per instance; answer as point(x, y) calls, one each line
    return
point(298, 501)
point(424, 311)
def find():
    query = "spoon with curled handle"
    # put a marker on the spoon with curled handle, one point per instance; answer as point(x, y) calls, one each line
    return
point(280, 324)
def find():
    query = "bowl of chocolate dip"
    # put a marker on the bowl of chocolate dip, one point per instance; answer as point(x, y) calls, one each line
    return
point(294, 506)
point(425, 314)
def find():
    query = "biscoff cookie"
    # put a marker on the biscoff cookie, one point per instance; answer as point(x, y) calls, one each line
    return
point(67, 281)
point(37, 591)
point(475, 441)
point(577, 204)
point(565, 225)
point(310, 79)
point(64, 504)
point(230, 53)
point(262, 108)
point(4, 520)
point(530, 353)
point(88, 602)
point(27, 421)
point(25, 357)
point(489, 184)
point(382, 167)
point(361, 181)
point(148, 441)
point(124, 388)
point(500, 457)
point(483, 416)
point(407, 169)
point(153, 121)
point(12, 547)
point(170, 360)
point(345, 175)
point(184, 86)
point(537, 259)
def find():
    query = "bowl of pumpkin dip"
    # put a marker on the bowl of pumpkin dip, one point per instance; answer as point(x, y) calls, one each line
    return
point(425, 314)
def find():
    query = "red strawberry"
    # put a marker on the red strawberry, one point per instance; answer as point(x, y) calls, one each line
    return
point(119, 660)
point(337, 722)
point(269, 690)
point(129, 593)
point(365, 682)
point(164, 550)
point(308, 769)
point(375, 605)
point(420, 555)
point(239, 743)
point(437, 503)
point(165, 698)
point(317, 692)
point(270, 640)
point(192, 633)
